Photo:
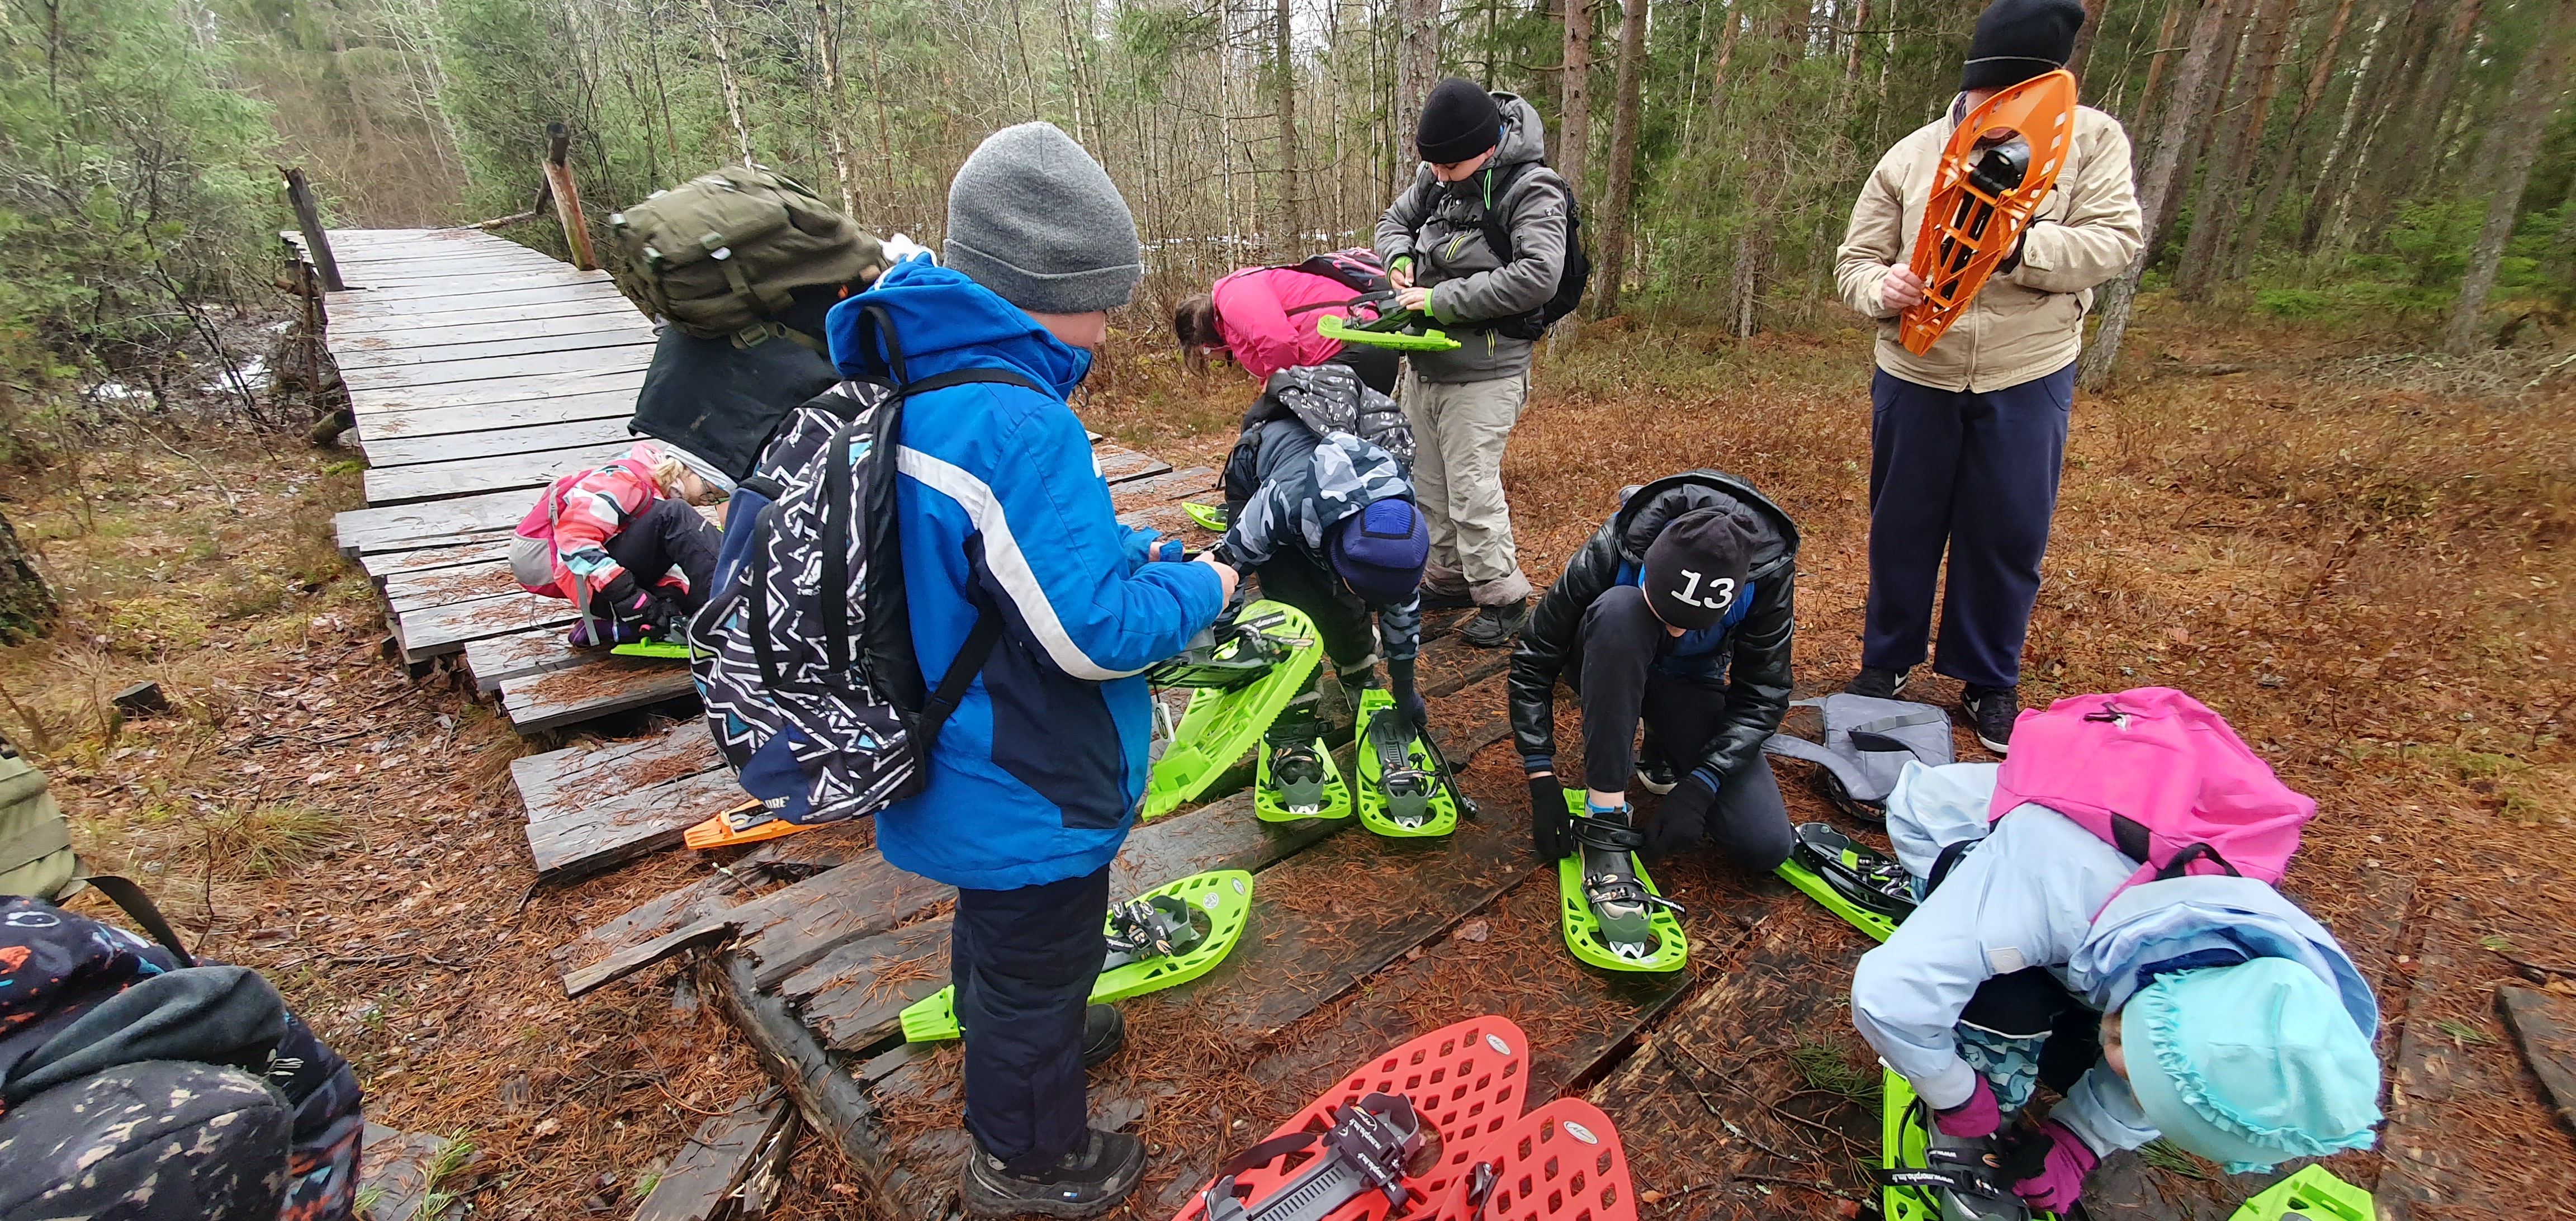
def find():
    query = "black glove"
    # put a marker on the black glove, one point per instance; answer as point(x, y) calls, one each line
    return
point(1547, 817)
point(651, 613)
point(1683, 820)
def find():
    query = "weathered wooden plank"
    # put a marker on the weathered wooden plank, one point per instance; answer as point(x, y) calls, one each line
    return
point(493, 390)
point(381, 293)
point(2544, 1028)
point(600, 834)
point(394, 485)
point(498, 660)
point(829, 1098)
point(394, 1170)
point(464, 316)
point(854, 996)
point(379, 354)
point(787, 930)
point(387, 565)
point(594, 358)
point(1121, 464)
point(717, 1159)
point(569, 697)
point(1169, 485)
point(366, 307)
point(374, 345)
point(446, 586)
point(442, 523)
point(386, 452)
point(380, 269)
point(613, 404)
point(558, 783)
point(723, 888)
point(436, 631)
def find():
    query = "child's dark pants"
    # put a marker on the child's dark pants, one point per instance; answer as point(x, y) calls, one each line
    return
point(668, 534)
point(1613, 667)
point(1024, 961)
point(1974, 472)
point(1341, 618)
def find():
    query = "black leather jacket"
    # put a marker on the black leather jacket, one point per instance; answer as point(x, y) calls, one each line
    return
point(1757, 675)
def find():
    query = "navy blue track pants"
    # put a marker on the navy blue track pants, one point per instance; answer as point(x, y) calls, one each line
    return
point(1024, 961)
point(1972, 473)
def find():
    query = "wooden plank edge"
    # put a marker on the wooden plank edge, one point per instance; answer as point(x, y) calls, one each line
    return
point(831, 1100)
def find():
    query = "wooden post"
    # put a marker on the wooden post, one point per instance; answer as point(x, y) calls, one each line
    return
point(317, 244)
point(567, 200)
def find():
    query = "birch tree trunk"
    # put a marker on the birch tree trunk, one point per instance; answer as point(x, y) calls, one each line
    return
point(2516, 142)
point(727, 82)
point(2339, 153)
point(2094, 11)
point(836, 118)
point(2156, 188)
point(2223, 177)
point(1623, 159)
point(2285, 161)
point(1283, 100)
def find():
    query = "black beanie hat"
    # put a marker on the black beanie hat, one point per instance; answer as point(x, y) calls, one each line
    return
point(1696, 568)
point(2019, 39)
point(1459, 120)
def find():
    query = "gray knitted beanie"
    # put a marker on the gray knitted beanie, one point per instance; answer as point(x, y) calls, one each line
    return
point(1032, 217)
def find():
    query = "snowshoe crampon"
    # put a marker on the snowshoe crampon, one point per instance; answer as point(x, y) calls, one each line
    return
point(1926, 1176)
point(659, 650)
point(1297, 783)
point(1225, 721)
point(1167, 936)
point(1561, 1160)
point(1404, 789)
point(1346, 1156)
point(2315, 1194)
point(1209, 517)
point(748, 823)
point(1663, 948)
point(1998, 167)
point(1853, 880)
point(1402, 331)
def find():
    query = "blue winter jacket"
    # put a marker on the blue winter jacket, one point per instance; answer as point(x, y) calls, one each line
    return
point(2032, 893)
point(1037, 775)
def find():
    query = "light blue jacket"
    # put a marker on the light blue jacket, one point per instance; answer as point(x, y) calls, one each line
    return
point(2027, 896)
point(1037, 774)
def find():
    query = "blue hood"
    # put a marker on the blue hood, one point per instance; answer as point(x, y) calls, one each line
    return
point(2208, 921)
point(946, 321)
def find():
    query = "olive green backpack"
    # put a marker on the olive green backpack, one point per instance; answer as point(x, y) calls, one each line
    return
point(36, 858)
point(717, 255)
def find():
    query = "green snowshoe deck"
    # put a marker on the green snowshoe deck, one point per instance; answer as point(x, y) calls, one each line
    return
point(1583, 929)
point(1266, 798)
point(1376, 807)
point(1428, 340)
point(1219, 727)
point(661, 650)
point(1209, 517)
point(1223, 895)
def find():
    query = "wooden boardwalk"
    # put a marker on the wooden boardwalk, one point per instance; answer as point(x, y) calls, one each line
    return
point(479, 370)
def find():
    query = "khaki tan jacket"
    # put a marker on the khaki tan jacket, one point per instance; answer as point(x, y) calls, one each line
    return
point(2025, 323)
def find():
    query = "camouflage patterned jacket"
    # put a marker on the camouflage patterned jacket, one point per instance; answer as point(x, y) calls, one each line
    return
point(1307, 485)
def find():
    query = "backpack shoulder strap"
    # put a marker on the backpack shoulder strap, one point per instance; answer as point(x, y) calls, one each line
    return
point(138, 907)
point(1498, 233)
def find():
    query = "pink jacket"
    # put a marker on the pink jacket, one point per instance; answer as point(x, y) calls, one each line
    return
point(1252, 316)
point(580, 512)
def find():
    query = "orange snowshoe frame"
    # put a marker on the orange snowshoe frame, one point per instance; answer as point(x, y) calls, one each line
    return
point(1968, 227)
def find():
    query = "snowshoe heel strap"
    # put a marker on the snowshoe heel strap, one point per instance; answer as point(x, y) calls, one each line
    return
point(1604, 834)
point(1365, 1150)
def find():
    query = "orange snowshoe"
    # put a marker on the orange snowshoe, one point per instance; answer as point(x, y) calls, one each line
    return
point(2000, 163)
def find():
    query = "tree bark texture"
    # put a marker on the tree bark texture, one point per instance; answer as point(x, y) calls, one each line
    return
point(2174, 12)
point(1575, 140)
point(2338, 163)
point(1417, 69)
point(2515, 143)
point(2406, 62)
point(27, 606)
point(2285, 160)
point(2156, 188)
point(2231, 158)
point(1283, 84)
point(2094, 11)
point(836, 121)
point(1623, 160)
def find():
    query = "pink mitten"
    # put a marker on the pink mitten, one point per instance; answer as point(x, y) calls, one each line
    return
point(1976, 1117)
point(2055, 1161)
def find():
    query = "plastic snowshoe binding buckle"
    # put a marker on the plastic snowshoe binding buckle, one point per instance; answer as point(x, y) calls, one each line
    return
point(1296, 799)
point(1584, 936)
point(1365, 1150)
point(1155, 927)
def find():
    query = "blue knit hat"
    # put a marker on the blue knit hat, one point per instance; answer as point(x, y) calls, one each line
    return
point(1380, 550)
point(2251, 1065)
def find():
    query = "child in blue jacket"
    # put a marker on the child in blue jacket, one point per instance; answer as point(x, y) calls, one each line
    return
point(1036, 778)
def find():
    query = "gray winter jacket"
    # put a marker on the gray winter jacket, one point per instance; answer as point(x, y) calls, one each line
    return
point(1440, 227)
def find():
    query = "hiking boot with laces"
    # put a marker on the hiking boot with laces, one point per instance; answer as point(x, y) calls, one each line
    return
point(1104, 1033)
point(1494, 626)
point(1991, 710)
point(1878, 684)
point(1092, 1179)
point(1657, 776)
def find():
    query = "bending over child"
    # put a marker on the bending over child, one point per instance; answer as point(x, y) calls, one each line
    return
point(624, 544)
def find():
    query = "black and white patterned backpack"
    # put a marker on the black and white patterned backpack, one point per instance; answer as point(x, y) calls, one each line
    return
point(804, 654)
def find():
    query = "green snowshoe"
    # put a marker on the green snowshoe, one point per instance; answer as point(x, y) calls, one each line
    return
point(1298, 781)
point(1247, 672)
point(1613, 916)
point(659, 650)
point(2313, 1194)
point(1403, 331)
point(1851, 879)
point(1209, 517)
point(1925, 1175)
point(1405, 791)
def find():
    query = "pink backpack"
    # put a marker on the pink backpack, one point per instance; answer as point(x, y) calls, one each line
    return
point(2158, 776)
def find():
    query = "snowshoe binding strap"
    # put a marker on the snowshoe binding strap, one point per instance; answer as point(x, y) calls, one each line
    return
point(1862, 875)
point(1155, 927)
point(1366, 1149)
point(1619, 901)
point(1297, 772)
point(1409, 789)
point(1230, 656)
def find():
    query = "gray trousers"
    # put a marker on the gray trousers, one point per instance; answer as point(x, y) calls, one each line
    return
point(1458, 434)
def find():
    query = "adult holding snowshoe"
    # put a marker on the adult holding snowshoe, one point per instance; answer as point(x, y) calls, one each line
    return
point(1677, 613)
point(1478, 243)
point(1034, 781)
point(1266, 319)
point(1321, 506)
point(2173, 992)
point(1968, 435)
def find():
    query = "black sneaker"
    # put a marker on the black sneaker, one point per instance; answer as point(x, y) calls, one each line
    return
point(1494, 626)
point(1439, 602)
point(1992, 710)
point(1087, 1182)
point(1103, 1034)
point(1657, 776)
point(1878, 684)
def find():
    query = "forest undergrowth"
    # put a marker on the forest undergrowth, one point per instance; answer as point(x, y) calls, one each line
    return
point(2356, 557)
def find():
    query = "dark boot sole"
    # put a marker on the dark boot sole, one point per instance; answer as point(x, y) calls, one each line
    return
point(978, 1204)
